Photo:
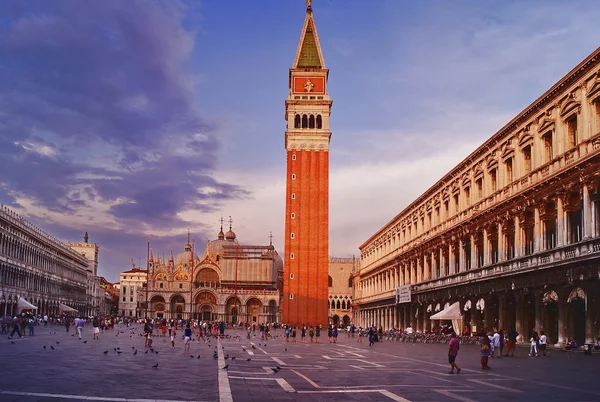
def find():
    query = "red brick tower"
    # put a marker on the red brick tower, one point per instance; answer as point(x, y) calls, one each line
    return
point(307, 110)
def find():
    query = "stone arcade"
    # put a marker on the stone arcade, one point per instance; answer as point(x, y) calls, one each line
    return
point(512, 232)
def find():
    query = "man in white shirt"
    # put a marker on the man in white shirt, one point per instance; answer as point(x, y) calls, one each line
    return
point(543, 342)
point(496, 342)
point(409, 330)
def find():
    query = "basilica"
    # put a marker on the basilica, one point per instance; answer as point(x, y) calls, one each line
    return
point(228, 282)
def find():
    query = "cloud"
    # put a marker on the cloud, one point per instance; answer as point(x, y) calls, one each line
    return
point(99, 126)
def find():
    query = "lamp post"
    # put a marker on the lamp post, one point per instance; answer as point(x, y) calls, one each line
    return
point(147, 275)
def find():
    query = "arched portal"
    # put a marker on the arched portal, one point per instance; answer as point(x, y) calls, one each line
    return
point(205, 305)
point(336, 320)
point(157, 306)
point(177, 306)
point(346, 320)
point(208, 278)
point(253, 309)
point(576, 315)
point(273, 311)
point(232, 310)
point(550, 316)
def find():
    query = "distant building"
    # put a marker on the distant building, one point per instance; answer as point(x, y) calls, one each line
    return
point(110, 304)
point(340, 290)
point(39, 268)
point(94, 292)
point(130, 287)
point(228, 282)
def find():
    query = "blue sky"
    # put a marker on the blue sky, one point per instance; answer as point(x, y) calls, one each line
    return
point(129, 119)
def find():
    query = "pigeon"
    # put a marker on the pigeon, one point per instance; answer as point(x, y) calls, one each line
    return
point(248, 359)
point(156, 352)
point(133, 347)
point(215, 357)
point(278, 368)
point(155, 366)
point(226, 367)
point(233, 358)
point(12, 342)
point(253, 347)
point(146, 352)
point(115, 349)
point(57, 342)
point(51, 347)
point(135, 353)
point(118, 348)
point(286, 349)
point(191, 356)
point(73, 335)
point(44, 346)
point(243, 349)
point(274, 370)
point(198, 357)
point(106, 352)
point(84, 341)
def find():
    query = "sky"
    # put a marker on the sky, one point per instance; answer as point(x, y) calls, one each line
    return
point(129, 119)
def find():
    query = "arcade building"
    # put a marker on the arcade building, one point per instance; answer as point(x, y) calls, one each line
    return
point(512, 233)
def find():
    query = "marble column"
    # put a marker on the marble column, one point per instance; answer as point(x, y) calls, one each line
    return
point(518, 242)
point(537, 231)
point(563, 306)
point(501, 243)
point(590, 313)
point(501, 311)
point(451, 262)
point(473, 255)
point(587, 213)
point(520, 328)
point(486, 248)
point(539, 324)
point(560, 222)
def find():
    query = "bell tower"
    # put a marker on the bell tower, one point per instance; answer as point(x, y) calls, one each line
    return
point(307, 110)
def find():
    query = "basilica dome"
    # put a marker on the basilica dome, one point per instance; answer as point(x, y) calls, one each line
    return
point(185, 257)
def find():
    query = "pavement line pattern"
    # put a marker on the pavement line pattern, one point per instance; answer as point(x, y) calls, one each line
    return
point(308, 380)
point(285, 385)
point(453, 395)
point(384, 392)
point(393, 396)
point(489, 384)
point(224, 388)
point(85, 397)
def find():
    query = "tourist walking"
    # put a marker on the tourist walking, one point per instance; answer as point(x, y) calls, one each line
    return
point(317, 333)
point(534, 342)
point(496, 343)
point(188, 338)
point(79, 324)
point(67, 323)
point(543, 343)
point(173, 334)
point(303, 334)
point(371, 336)
point(452, 353)
point(335, 334)
point(15, 327)
point(512, 342)
point(485, 350)
point(311, 333)
point(330, 333)
point(96, 326)
point(148, 333)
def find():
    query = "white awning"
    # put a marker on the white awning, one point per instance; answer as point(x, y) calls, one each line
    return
point(23, 304)
point(450, 313)
point(64, 307)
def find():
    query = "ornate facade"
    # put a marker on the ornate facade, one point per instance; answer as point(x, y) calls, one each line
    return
point(340, 290)
point(512, 232)
point(229, 282)
point(38, 267)
point(307, 136)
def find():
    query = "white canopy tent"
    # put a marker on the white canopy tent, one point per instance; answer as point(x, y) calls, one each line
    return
point(451, 313)
point(23, 304)
point(65, 308)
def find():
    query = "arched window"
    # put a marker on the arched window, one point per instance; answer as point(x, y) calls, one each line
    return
point(311, 121)
point(304, 121)
point(160, 285)
point(350, 282)
point(297, 121)
point(181, 286)
point(319, 121)
point(338, 305)
point(330, 280)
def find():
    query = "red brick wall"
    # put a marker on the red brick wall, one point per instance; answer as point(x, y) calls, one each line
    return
point(311, 243)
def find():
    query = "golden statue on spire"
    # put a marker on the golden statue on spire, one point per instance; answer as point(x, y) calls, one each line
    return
point(308, 4)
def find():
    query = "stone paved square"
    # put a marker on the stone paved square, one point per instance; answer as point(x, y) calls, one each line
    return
point(345, 371)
